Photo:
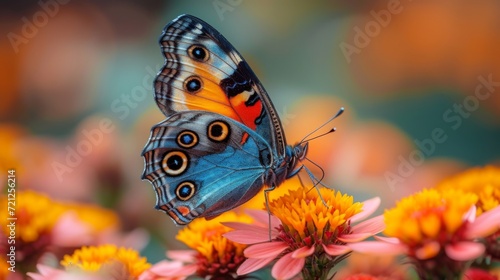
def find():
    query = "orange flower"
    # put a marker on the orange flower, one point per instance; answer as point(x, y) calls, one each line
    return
point(97, 263)
point(212, 255)
point(438, 230)
point(306, 235)
point(485, 183)
point(42, 225)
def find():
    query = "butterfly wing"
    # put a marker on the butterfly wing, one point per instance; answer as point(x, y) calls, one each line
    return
point(201, 164)
point(203, 71)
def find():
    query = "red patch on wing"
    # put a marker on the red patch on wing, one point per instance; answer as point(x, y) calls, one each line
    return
point(183, 210)
point(248, 114)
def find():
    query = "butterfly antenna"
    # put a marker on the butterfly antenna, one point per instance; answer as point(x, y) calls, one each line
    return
point(341, 110)
point(321, 135)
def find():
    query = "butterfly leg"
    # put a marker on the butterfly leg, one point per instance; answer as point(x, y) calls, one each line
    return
point(266, 197)
point(316, 182)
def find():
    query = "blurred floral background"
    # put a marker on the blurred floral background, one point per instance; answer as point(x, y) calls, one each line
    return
point(420, 82)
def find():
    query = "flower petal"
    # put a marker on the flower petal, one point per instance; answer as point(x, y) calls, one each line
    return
point(164, 267)
point(378, 247)
point(262, 217)
point(427, 251)
point(369, 206)
point(464, 251)
point(248, 236)
point(336, 250)
point(303, 252)
point(486, 224)
point(470, 216)
point(181, 255)
point(392, 240)
point(354, 237)
point(71, 231)
point(251, 265)
point(373, 225)
point(287, 267)
point(265, 250)
point(45, 272)
point(477, 273)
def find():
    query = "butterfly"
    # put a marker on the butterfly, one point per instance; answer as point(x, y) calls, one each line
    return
point(223, 140)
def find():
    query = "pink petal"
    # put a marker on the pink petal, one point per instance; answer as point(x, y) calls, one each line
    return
point(369, 206)
point(70, 231)
point(287, 267)
point(163, 267)
point(252, 228)
point(354, 237)
point(378, 247)
point(373, 225)
point(49, 273)
point(181, 255)
point(247, 237)
point(470, 216)
point(136, 239)
point(486, 224)
point(251, 265)
point(265, 250)
point(244, 226)
point(168, 269)
point(464, 251)
point(336, 250)
point(45, 272)
point(392, 240)
point(303, 252)
point(477, 273)
point(262, 217)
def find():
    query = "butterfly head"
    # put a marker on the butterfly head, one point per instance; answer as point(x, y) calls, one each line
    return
point(295, 154)
point(299, 151)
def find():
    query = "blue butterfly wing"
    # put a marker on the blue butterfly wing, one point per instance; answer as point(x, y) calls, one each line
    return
point(202, 164)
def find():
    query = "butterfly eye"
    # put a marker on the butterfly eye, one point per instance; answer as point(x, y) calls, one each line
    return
point(218, 131)
point(192, 84)
point(187, 139)
point(185, 190)
point(175, 163)
point(198, 52)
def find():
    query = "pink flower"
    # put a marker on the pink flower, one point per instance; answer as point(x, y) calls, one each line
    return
point(463, 248)
point(49, 273)
point(306, 231)
point(181, 266)
point(438, 230)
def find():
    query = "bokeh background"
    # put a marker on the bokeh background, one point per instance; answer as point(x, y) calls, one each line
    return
point(77, 76)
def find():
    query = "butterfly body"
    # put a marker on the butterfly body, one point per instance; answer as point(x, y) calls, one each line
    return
point(222, 140)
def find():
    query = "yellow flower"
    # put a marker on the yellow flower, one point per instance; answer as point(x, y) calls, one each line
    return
point(437, 230)
point(41, 225)
point(105, 259)
point(98, 218)
point(216, 255)
point(483, 181)
point(428, 215)
point(302, 211)
point(306, 234)
point(36, 215)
